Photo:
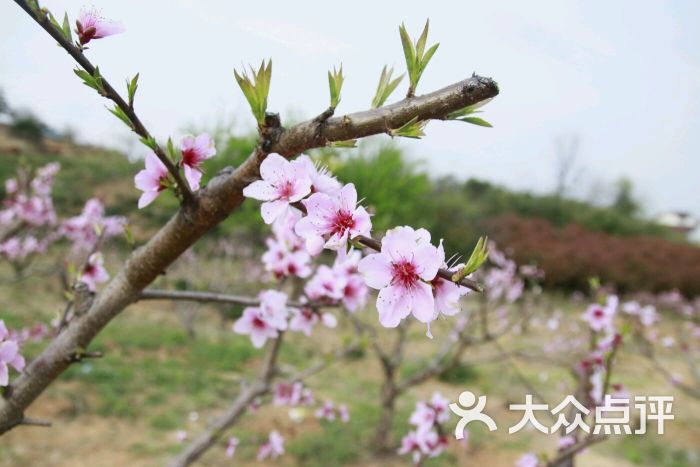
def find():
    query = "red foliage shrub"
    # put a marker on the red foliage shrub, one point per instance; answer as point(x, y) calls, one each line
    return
point(571, 255)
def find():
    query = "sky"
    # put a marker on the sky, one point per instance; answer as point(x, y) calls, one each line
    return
point(623, 77)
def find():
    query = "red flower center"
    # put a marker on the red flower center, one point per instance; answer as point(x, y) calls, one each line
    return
point(286, 189)
point(190, 157)
point(598, 313)
point(404, 273)
point(258, 323)
point(342, 221)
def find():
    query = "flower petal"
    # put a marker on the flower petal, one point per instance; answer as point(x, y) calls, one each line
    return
point(393, 305)
point(271, 210)
point(376, 269)
point(422, 303)
point(261, 190)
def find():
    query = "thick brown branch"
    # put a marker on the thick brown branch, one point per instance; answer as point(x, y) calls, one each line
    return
point(214, 203)
point(110, 93)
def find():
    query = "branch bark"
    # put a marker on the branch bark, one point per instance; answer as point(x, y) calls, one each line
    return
point(109, 92)
point(215, 297)
point(211, 205)
point(259, 387)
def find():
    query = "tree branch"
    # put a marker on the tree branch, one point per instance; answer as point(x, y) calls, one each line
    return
point(259, 387)
point(563, 457)
point(215, 297)
point(213, 204)
point(109, 92)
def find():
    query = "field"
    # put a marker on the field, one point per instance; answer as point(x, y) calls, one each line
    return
point(156, 378)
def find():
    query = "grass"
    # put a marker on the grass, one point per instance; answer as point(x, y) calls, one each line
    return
point(153, 376)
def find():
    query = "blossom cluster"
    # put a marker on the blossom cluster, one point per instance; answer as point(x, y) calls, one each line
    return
point(9, 354)
point(28, 214)
point(154, 178)
point(85, 230)
point(427, 439)
point(26, 209)
point(329, 412)
point(405, 270)
point(272, 315)
point(502, 280)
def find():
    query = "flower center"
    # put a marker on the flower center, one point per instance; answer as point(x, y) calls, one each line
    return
point(285, 190)
point(258, 323)
point(598, 313)
point(190, 157)
point(342, 221)
point(404, 273)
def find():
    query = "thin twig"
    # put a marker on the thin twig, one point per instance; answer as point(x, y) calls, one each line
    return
point(109, 92)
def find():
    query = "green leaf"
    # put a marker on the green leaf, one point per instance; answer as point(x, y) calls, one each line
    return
point(412, 129)
point(66, 28)
point(409, 51)
point(476, 259)
point(256, 88)
point(335, 84)
point(348, 143)
point(172, 153)
point(420, 45)
point(428, 55)
point(149, 142)
point(119, 113)
point(128, 233)
point(476, 121)
point(385, 87)
point(131, 87)
point(416, 57)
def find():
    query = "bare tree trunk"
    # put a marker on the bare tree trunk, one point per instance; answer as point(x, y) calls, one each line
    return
point(382, 443)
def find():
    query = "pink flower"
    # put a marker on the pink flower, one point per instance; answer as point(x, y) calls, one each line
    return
point(195, 150)
point(321, 182)
point(292, 394)
point(264, 322)
point(285, 255)
point(273, 448)
point(90, 25)
point(231, 446)
point(283, 182)
point(274, 306)
point(355, 291)
point(407, 260)
point(599, 317)
point(427, 414)
point(648, 315)
point(447, 294)
point(326, 411)
point(528, 460)
point(180, 436)
point(9, 355)
point(303, 320)
point(325, 284)
point(94, 271)
point(82, 229)
point(254, 323)
point(565, 442)
point(411, 444)
point(332, 219)
point(151, 180)
point(343, 413)
point(422, 444)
